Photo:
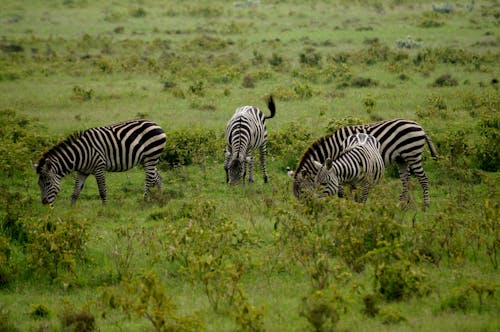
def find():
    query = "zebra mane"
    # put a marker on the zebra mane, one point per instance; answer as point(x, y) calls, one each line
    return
point(310, 150)
point(59, 146)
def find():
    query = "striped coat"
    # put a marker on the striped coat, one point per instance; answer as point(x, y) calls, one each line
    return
point(401, 142)
point(113, 148)
point(360, 163)
point(245, 133)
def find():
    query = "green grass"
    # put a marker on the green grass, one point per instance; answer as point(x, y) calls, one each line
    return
point(70, 65)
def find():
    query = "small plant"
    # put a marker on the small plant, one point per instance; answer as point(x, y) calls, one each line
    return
point(198, 88)
point(310, 57)
point(77, 321)
point(145, 296)
point(370, 301)
point(248, 82)
point(81, 94)
point(322, 309)
point(337, 123)
point(138, 12)
point(369, 103)
point(276, 60)
point(391, 316)
point(55, 244)
point(445, 80)
point(6, 323)
point(362, 82)
point(40, 311)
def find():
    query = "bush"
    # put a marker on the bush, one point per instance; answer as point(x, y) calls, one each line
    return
point(445, 80)
point(195, 146)
point(487, 150)
point(54, 244)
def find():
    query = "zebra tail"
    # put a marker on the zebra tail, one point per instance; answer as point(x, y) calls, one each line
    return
point(271, 106)
point(431, 146)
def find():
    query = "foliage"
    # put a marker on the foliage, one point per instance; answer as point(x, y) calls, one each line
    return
point(5, 266)
point(54, 244)
point(191, 147)
point(322, 309)
point(6, 320)
point(145, 296)
point(210, 249)
point(18, 145)
point(252, 257)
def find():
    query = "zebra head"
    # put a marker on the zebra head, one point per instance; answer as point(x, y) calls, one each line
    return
point(302, 183)
point(235, 170)
point(326, 181)
point(48, 180)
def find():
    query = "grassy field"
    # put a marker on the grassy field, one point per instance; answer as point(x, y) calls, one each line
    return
point(202, 256)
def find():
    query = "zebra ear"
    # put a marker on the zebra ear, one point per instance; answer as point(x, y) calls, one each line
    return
point(33, 166)
point(317, 164)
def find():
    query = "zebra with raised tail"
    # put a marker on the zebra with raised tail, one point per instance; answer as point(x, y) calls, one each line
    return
point(114, 148)
point(245, 133)
point(401, 141)
point(359, 163)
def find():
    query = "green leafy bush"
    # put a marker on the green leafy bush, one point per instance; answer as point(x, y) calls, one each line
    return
point(186, 147)
point(55, 245)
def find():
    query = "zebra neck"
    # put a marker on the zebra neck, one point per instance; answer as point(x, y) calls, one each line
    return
point(63, 160)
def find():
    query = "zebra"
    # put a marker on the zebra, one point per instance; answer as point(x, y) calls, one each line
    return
point(114, 148)
point(401, 141)
point(359, 163)
point(245, 133)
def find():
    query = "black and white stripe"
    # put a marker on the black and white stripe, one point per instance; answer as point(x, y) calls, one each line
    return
point(360, 163)
point(245, 133)
point(113, 148)
point(401, 141)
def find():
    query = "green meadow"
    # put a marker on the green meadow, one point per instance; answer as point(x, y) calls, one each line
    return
point(203, 256)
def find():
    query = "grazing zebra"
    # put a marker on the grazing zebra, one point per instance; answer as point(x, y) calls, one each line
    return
point(245, 133)
point(401, 141)
point(359, 163)
point(113, 148)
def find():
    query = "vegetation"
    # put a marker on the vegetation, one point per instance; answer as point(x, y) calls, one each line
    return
point(202, 256)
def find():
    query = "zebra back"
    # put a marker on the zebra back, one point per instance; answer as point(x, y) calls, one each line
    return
point(359, 163)
point(115, 148)
point(400, 140)
point(245, 133)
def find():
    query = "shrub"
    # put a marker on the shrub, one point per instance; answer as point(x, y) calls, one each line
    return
point(146, 296)
point(5, 269)
point(487, 150)
point(40, 311)
point(195, 146)
point(396, 277)
point(55, 244)
point(5, 320)
point(82, 94)
point(322, 309)
point(310, 57)
point(289, 142)
point(445, 80)
point(77, 321)
point(337, 123)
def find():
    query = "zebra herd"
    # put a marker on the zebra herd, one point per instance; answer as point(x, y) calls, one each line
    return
point(353, 155)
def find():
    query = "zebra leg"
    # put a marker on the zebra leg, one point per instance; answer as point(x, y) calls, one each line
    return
point(101, 185)
point(423, 180)
point(364, 193)
point(249, 162)
point(79, 182)
point(404, 176)
point(153, 178)
point(263, 151)
point(227, 157)
point(340, 192)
